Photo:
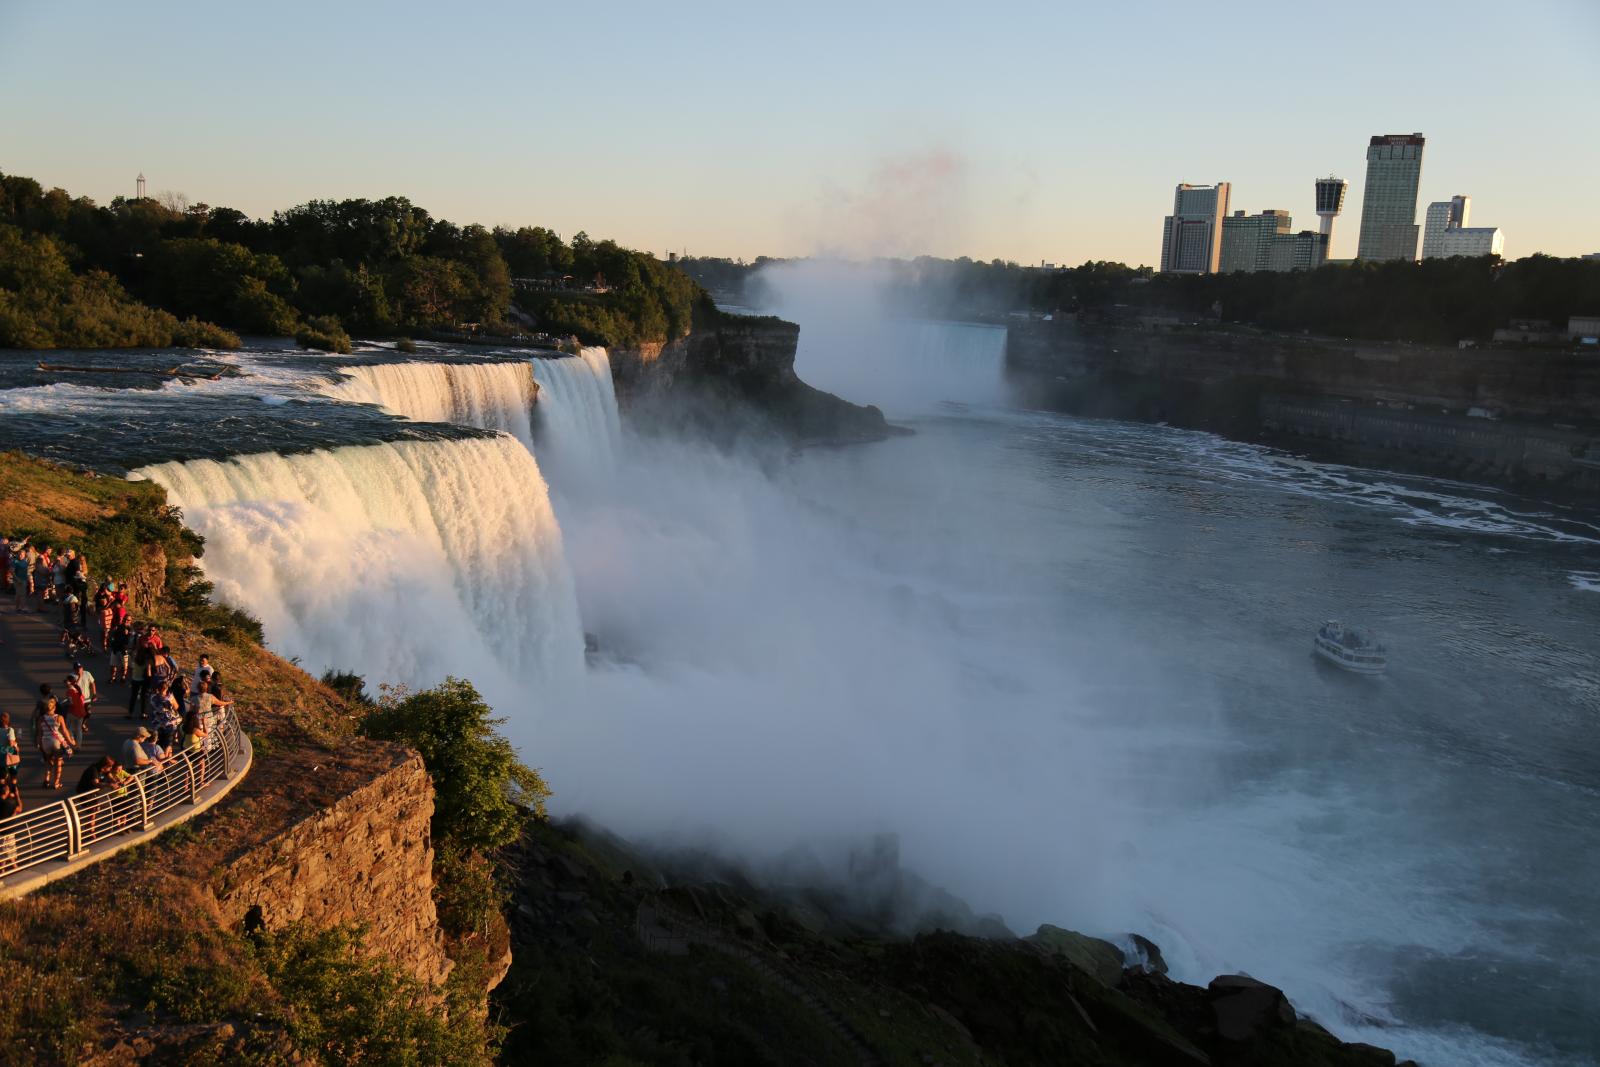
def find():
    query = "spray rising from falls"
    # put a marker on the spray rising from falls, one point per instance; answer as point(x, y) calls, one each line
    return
point(404, 562)
point(490, 396)
point(579, 428)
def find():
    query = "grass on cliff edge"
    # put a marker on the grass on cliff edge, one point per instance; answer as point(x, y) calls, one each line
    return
point(138, 940)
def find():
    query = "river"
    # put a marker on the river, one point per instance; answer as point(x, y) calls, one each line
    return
point(1069, 661)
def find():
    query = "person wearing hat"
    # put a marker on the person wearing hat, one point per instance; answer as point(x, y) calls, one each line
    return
point(134, 756)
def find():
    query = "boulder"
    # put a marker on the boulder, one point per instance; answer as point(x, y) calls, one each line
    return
point(1242, 1007)
point(1101, 960)
point(1148, 954)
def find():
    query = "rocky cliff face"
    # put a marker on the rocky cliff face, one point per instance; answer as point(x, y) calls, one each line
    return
point(1402, 406)
point(738, 358)
point(367, 858)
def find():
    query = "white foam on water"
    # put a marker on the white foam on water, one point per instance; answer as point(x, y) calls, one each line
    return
point(404, 562)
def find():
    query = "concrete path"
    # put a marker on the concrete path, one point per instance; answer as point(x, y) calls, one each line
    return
point(32, 654)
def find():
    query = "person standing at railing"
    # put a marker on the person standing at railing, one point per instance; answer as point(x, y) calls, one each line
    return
point(9, 748)
point(195, 742)
point(134, 756)
point(10, 806)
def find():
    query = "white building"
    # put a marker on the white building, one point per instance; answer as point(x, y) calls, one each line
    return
point(1447, 234)
point(1191, 237)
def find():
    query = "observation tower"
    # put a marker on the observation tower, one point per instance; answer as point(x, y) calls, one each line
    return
point(1330, 201)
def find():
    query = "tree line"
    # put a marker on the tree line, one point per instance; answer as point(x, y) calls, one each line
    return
point(1435, 300)
point(139, 271)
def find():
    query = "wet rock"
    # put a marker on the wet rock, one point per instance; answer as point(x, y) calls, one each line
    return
point(1242, 1007)
point(1101, 960)
point(1149, 954)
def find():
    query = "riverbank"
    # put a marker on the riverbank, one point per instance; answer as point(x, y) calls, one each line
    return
point(1528, 419)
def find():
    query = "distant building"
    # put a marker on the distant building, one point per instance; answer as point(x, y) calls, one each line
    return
point(1594, 256)
point(1245, 239)
point(1267, 242)
point(1389, 203)
point(1330, 202)
point(1445, 232)
point(1306, 250)
point(1191, 238)
point(1584, 327)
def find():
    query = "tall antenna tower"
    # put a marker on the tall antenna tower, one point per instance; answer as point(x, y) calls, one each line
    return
point(139, 187)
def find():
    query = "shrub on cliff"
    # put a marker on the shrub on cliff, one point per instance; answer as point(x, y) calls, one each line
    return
point(341, 1006)
point(324, 332)
point(477, 778)
point(193, 333)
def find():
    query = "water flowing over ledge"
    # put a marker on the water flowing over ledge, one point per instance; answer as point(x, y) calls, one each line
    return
point(405, 562)
point(489, 396)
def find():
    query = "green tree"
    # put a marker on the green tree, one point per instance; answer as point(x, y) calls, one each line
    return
point(477, 778)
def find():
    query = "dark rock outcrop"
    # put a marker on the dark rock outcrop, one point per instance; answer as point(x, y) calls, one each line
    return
point(740, 363)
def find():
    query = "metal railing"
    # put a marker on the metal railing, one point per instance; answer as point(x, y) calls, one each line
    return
point(63, 830)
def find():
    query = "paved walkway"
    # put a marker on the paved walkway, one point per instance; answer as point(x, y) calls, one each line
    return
point(32, 655)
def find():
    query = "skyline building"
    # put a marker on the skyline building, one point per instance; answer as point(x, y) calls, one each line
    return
point(1191, 238)
point(1446, 233)
point(1247, 238)
point(1306, 250)
point(1389, 202)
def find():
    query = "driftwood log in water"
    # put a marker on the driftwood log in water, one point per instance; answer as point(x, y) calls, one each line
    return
point(172, 372)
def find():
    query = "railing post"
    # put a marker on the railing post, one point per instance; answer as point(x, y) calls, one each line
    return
point(145, 821)
point(190, 776)
point(74, 828)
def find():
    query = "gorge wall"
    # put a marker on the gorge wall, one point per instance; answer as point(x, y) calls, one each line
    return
point(365, 859)
point(1400, 405)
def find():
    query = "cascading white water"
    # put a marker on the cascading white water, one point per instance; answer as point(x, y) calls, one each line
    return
point(404, 562)
point(577, 419)
point(490, 396)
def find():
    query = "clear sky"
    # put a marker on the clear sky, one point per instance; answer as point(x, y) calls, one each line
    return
point(1050, 131)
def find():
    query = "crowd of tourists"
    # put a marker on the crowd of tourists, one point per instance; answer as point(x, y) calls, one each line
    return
point(173, 708)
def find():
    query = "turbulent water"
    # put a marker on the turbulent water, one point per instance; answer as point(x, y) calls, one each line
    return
point(1067, 661)
point(403, 562)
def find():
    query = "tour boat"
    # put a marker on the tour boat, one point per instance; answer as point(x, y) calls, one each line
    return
point(1353, 650)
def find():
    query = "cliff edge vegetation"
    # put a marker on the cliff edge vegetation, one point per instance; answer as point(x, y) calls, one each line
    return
point(246, 933)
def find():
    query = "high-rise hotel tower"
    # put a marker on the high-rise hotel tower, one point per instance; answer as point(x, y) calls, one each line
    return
point(1191, 239)
point(1389, 205)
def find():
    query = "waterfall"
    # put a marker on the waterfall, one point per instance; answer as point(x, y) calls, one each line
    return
point(490, 396)
point(404, 562)
point(579, 428)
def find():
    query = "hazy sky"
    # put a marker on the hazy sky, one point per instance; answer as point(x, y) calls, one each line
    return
point(1051, 131)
